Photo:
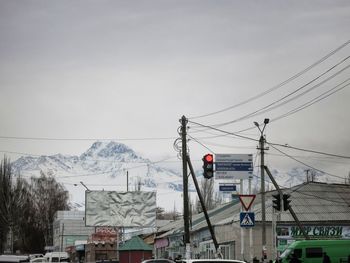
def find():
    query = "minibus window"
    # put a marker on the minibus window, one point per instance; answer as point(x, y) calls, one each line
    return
point(298, 252)
point(314, 252)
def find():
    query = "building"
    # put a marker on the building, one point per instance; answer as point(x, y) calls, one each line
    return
point(323, 210)
point(103, 245)
point(134, 250)
point(69, 227)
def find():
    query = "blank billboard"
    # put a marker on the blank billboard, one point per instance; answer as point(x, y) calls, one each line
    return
point(120, 209)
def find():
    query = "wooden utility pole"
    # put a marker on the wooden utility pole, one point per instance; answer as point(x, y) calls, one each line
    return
point(186, 216)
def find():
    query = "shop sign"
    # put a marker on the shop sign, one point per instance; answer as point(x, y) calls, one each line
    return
point(106, 230)
point(163, 242)
point(290, 232)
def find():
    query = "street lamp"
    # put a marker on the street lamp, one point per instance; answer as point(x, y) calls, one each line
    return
point(266, 121)
point(262, 171)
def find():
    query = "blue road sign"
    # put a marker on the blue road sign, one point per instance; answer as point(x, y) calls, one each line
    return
point(227, 187)
point(229, 166)
point(247, 219)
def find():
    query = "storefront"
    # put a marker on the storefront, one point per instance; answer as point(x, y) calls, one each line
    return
point(160, 247)
point(288, 234)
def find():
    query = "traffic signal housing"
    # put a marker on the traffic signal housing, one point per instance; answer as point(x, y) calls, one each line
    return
point(286, 202)
point(208, 166)
point(276, 202)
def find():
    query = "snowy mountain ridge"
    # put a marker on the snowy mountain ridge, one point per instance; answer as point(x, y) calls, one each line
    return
point(105, 166)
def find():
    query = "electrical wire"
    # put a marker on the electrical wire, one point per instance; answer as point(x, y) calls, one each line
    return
point(323, 159)
point(226, 132)
point(281, 102)
point(278, 85)
point(271, 143)
point(313, 101)
point(85, 139)
point(309, 103)
point(307, 165)
point(201, 144)
point(309, 151)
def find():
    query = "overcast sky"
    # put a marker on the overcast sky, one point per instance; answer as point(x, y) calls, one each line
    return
point(130, 69)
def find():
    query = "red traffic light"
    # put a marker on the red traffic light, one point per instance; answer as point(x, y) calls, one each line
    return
point(209, 158)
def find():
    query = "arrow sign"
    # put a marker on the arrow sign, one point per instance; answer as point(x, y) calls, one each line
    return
point(247, 201)
point(247, 219)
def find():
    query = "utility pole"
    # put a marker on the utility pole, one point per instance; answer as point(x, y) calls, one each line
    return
point(262, 171)
point(306, 236)
point(204, 209)
point(263, 207)
point(185, 187)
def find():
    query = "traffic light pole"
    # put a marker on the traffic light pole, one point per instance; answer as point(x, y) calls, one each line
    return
point(289, 207)
point(211, 229)
point(185, 187)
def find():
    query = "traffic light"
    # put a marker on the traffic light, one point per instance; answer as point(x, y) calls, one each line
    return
point(286, 202)
point(277, 202)
point(208, 166)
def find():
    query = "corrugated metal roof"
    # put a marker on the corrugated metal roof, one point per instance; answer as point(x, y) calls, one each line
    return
point(135, 243)
point(311, 202)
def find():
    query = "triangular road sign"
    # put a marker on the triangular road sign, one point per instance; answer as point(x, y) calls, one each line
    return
point(247, 201)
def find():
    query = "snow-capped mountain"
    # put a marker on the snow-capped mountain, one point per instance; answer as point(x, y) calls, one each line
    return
point(109, 165)
point(105, 165)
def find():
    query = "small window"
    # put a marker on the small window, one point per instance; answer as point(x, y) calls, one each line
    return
point(314, 252)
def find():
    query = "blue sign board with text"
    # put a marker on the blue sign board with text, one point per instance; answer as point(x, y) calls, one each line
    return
point(226, 166)
point(227, 188)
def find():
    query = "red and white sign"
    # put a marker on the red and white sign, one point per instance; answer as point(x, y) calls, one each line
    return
point(247, 201)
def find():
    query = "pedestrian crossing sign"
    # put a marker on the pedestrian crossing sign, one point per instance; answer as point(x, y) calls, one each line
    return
point(247, 219)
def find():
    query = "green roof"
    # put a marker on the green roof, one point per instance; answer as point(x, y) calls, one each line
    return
point(135, 243)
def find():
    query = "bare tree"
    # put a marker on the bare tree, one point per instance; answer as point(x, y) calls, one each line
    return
point(27, 209)
point(6, 201)
point(49, 196)
point(207, 191)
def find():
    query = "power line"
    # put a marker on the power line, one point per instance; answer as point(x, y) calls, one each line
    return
point(85, 139)
point(228, 133)
point(271, 143)
point(309, 103)
point(278, 85)
point(323, 159)
point(92, 159)
point(307, 165)
point(313, 101)
point(307, 150)
point(269, 107)
point(200, 143)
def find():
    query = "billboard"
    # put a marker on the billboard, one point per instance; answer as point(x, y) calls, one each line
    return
point(120, 209)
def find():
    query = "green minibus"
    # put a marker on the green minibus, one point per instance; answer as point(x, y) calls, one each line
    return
point(311, 251)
